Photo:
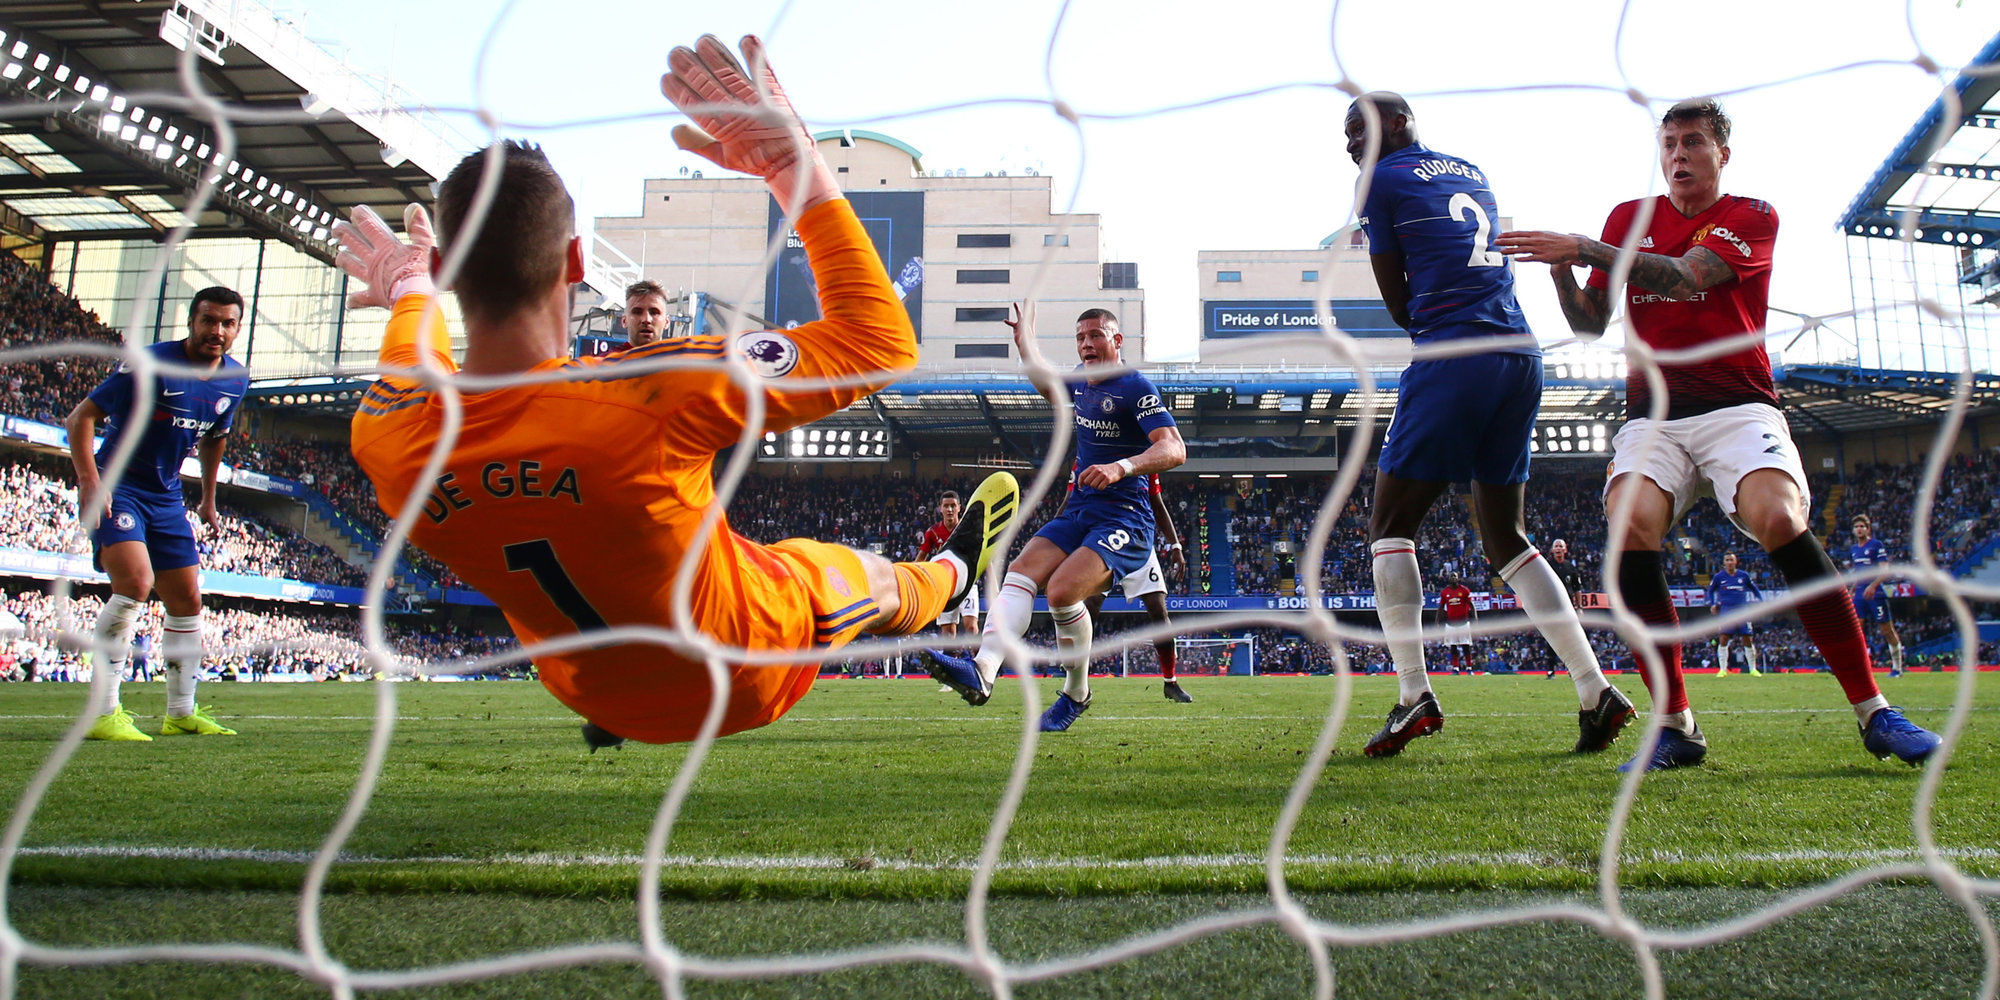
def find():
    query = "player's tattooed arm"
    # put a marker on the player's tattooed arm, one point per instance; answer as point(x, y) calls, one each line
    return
point(1699, 270)
point(1394, 285)
point(1674, 277)
point(1587, 309)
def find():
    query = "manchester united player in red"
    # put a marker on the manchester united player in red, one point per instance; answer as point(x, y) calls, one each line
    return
point(1455, 607)
point(931, 543)
point(1702, 273)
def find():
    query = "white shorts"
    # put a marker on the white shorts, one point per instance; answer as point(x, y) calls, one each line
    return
point(967, 609)
point(1147, 580)
point(1709, 453)
point(1458, 633)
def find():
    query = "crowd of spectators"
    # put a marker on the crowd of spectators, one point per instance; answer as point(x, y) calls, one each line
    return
point(244, 641)
point(33, 311)
point(38, 512)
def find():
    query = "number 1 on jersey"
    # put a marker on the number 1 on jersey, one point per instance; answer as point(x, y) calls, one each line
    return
point(539, 557)
point(1462, 203)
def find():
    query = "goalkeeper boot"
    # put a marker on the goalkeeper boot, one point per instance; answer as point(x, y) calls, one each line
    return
point(957, 673)
point(196, 723)
point(1676, 749)
point(116, 725)
point(1598, 727)
point(596, 737)
point(1888, 733)
point(988, 512)
point(1173, 692)
point(1064, 713)
point(1406, 723)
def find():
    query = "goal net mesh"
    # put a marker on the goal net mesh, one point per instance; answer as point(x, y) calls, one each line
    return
point(654, 947)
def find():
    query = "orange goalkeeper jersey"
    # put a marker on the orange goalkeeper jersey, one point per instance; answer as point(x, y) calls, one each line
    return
point(571, 504)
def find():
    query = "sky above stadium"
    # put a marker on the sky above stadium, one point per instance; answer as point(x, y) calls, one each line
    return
point(1535, 93)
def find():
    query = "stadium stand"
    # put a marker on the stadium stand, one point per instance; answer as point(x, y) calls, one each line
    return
point(319, 645)
point(39, 512)
point(32, 311)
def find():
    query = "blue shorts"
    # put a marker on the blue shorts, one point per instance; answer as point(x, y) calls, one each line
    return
point(1122, 535)
point(160, 522)
point(1872, 609)
point(1743, 629)
point(1465, 419)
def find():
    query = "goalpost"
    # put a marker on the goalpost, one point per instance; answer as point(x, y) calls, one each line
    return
point(1214, 657)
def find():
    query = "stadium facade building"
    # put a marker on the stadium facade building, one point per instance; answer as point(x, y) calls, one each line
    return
point(1261, 307)
point(959, 248)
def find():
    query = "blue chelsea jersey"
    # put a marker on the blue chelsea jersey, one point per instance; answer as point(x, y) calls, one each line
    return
point(1437, 211)
point(1114, 420)
point(1869, 553)
point(1732, 590)
point(186, 409)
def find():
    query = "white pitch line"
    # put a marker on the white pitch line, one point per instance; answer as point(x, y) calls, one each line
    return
point(1204, 862)
point(1009, 716)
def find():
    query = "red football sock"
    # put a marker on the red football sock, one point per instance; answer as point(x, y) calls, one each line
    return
point(1829, 619)
point(1643, 581)
point(1165, 651)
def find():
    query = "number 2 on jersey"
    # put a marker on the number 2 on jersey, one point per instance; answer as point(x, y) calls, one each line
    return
point(1462, 203)
point(539, 557)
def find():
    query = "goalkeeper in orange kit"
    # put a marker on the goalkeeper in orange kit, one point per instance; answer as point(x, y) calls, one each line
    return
point(573, 503)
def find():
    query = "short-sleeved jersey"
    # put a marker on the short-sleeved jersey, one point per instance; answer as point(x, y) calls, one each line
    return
point(1741, 231)
point(931, 542)
point(1438, 212)
point(1866, 555)
point(1115, 419)
point(572, 503)
point(186, 409)
point(1456, 603)
point(1728, 590)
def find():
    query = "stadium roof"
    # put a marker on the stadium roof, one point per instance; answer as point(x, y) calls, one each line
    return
point(98, 139)
point(1941, 183)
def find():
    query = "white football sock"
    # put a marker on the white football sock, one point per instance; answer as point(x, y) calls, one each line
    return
point(1073, 642)
point(1399, 603)
point(112, 639)
point(1010, 615)
point(1722, 657)
point(1542, 596)
point(1750, 655)
point(180, 642)
point(1865, 710)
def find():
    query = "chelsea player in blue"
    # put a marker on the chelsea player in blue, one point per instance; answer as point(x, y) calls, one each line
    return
point(1870, 603)
point(1430, 221)
point(140, 529)
point(1728, 590)
point(1105, 530)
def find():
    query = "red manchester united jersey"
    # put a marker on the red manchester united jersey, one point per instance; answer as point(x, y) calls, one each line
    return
point(1741, 231)
point(932, 541)
point(1456, 601)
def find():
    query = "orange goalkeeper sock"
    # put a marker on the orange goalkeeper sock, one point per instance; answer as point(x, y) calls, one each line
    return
point(922, 589)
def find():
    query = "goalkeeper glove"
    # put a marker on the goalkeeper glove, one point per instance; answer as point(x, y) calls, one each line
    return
point(744, 121)
point(387, 267)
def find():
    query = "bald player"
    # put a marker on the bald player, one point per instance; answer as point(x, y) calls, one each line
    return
point(1429, 217)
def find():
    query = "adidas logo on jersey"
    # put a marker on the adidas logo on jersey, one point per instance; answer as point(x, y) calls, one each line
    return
point(1645, 243)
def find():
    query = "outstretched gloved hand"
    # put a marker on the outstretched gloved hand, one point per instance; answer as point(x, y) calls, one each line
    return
point(743, 120)
point(387, 267)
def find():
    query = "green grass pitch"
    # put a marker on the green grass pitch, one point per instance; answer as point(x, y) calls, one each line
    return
point(857, 820)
